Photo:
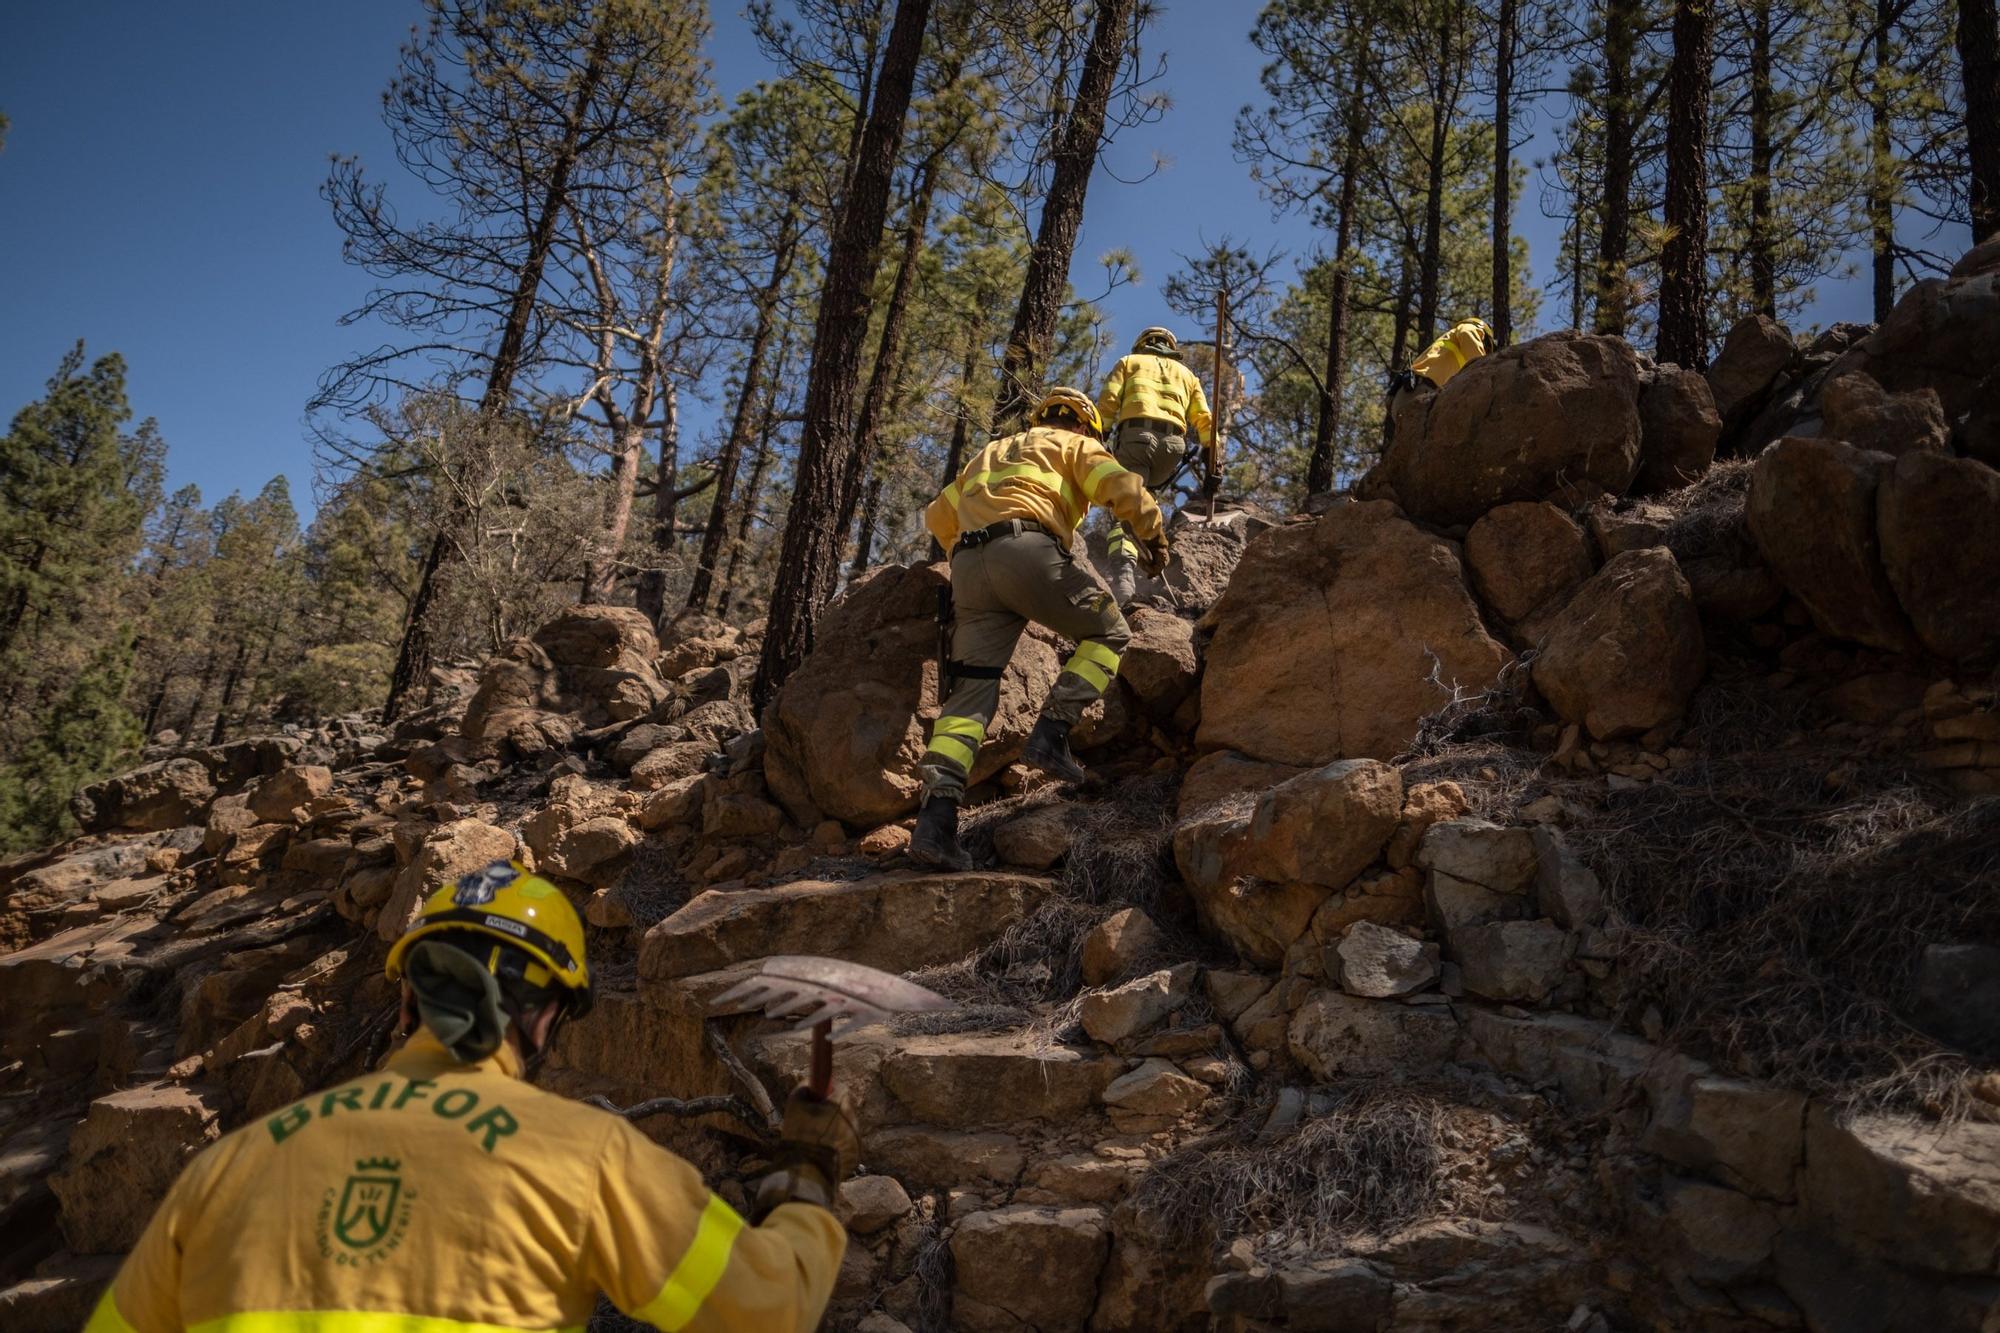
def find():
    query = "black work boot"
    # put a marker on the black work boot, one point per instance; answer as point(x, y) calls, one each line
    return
point(1048, 750)
point(935, 843)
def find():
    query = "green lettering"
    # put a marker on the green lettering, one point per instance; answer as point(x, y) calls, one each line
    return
point(416, 1087)
point(381, 1095)
point(497, 1123)
point(348, 1097)
point(455, 1103)
point(289, 1122)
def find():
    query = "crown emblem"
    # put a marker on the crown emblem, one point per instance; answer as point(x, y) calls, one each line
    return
point(477, 889)
point(378, 1164)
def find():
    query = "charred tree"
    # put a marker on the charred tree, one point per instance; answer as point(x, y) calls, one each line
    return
point(1684, 257)
point(1614, 214)
point(809, 557)
point(889, 351)
point(1073, 161)
point(731, 455)
point(1979, 65)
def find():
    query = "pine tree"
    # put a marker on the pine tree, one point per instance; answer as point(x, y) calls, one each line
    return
point(74, 495)
point(88, 733)
point(809, 562)
point(1683, 336)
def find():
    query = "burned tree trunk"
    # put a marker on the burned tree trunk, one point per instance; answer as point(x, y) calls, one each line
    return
point(731, 455)
point(1684, 258)
point(809, 558)
point(1075, 158)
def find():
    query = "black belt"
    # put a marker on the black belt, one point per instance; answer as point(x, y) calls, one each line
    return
point(1007, 527)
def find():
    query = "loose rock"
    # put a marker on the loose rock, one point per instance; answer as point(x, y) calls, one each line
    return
point(1624, 656)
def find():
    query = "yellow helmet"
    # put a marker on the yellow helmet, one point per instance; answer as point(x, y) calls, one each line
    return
point(1157, 340)
point(515, 908)
point(1073, 402)
point(1485, 331)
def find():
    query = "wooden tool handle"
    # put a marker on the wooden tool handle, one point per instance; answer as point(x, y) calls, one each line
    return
point(821, 1082)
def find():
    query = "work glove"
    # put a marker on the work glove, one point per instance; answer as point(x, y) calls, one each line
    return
point(1153, 555)
point(817, 1149)
point(1211, 483)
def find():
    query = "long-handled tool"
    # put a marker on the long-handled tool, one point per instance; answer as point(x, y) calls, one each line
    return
point(829, 995)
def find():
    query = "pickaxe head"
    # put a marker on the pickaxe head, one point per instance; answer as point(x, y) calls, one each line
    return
point(828, 995)
point(825, 990)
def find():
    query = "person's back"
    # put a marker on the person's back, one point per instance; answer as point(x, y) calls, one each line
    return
point(449, 1193)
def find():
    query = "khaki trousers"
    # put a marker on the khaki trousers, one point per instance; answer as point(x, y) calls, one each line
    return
point(997, 589)
point(1154, 450)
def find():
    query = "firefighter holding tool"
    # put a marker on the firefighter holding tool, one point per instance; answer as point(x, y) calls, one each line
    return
point(446, 1194)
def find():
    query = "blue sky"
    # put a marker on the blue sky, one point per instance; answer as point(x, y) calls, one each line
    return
point(158, 197)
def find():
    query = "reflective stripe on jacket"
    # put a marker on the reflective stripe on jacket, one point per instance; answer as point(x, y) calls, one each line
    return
point(1159, 388)
point(439, 1197)
point(1047, 475)
point(1448, 355)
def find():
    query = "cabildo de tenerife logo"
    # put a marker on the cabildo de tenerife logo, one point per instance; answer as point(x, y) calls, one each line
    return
point(362, 1220)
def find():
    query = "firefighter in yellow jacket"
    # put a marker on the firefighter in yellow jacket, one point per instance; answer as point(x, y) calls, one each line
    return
point(444, 1194)
point(1150, 404)
point(1007, 521)
point(1461, 344)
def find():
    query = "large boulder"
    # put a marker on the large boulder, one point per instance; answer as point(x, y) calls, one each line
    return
point(593, 664)
point(1978, 434)
point(449, 852)
point(1259, 918)
point(1625, 654)
point(1337, 637)
point(1854, 408)
point(159, 796)
point(1755, 356)
point(275, 798)
point(1205, 552)
point(1510, 960)
point(966, 1081)
point(897, 922)
point(1939, 522)
point(1678, 429)
point(1334, 1036)
point(1524, 556)
point(1924, 344)
point(1023, 1269)
point(122, 1158)
point(1905, 1190)
point(1812, 513)
point(1326, 826)
point(1477, 871)
point(1160, 663)
point(844, 734)
point(1554, 417)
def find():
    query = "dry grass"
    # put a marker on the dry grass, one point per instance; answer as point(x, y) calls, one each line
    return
point(934, 1270)
point(1708, 516)
point(1479, 739)
point(1776, 923)
point(1372, 1163)
point(1120, 856)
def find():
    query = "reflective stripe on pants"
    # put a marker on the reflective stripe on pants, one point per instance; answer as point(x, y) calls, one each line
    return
point(998, 589)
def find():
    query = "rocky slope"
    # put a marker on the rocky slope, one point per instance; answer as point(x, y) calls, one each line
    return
point(1554, 890)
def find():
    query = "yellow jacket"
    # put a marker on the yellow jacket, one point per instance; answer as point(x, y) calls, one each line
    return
point(1448, 355)
point(1158, 387)
point(1046, 474)
point(439, 1197)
